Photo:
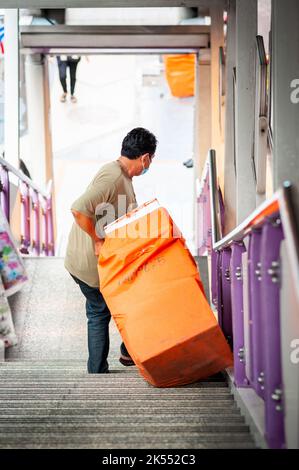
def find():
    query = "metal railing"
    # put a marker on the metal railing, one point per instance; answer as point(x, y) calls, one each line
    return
point(261, 121)
point(206, 225)
point(246, 289)
point(37, 230)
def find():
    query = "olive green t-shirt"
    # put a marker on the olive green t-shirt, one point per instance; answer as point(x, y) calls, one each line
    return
point(110, 185)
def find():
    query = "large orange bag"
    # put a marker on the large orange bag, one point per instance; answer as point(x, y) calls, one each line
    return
point(180, 74)
point(152, 287)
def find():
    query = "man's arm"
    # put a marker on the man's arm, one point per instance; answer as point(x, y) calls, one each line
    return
point(86, 224)
point(85, 207)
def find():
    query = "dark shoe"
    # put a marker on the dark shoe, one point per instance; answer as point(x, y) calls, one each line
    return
point(126, 361)
point(125, 358)
point(104, 372)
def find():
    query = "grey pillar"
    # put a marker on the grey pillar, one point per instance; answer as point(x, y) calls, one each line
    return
point(285, 54)
point(202, 119)
point(229, 148)
point(36, 117)
point(217, 41)
point(246, 31)
point(202, 124)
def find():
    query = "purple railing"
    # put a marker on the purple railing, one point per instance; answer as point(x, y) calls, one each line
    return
point(261, 234)
point(37, 236)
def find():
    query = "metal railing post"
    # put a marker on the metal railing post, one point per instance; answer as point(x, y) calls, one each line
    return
point(272, 235)
point(25, 218)
point(226, 295)
point(4, 188)
point(36, 222)
point(50, 227)
point(45, 222)
point(237, 314)
point(255, 314)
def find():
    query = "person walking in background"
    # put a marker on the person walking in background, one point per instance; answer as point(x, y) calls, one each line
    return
point(70, 61)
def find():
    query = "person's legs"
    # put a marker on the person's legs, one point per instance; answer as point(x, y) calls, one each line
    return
point(73, 70)
point(98, 316)
point(62, 74)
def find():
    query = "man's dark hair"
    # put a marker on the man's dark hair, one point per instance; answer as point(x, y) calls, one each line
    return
point(137, 142)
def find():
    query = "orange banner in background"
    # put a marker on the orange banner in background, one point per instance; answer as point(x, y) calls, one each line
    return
point(180, 74)
point(151, 284)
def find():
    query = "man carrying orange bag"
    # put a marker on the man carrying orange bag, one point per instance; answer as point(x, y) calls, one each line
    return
point(152, 286)
point(111, 187)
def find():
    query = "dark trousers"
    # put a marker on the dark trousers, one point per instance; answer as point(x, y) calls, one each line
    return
point(62, 66)
point(98, 318)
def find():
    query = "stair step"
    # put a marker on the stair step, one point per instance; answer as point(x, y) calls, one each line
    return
point(117, 417)
point(77, 426)
point(114, 384)
point(180, 444)
point(68, 408)
point(124, 403)
point(104, 441)
point(103, 380)
point(116, 392)
point(67, 373)
point(73, 368)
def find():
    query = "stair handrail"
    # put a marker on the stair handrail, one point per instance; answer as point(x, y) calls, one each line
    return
point(31, 193)
point(281, 200)
point(21, 176)
point(245, 276)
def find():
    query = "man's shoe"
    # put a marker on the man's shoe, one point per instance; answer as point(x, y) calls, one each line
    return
point(63, 98)
point(126, 361)
point(73, 99)
point(125, 358)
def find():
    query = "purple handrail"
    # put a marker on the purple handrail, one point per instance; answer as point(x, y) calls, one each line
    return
point(35, 203)
point(264, 232)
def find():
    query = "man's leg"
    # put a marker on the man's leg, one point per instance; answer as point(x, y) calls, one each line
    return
point(98, 316)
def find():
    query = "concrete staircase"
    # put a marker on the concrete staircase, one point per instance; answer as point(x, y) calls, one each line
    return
point(47, 400)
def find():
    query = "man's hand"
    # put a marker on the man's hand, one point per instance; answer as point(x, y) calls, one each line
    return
point(98, 245)
point(87, 224)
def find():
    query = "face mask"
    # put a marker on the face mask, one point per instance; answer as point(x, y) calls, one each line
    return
point(144, 170)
